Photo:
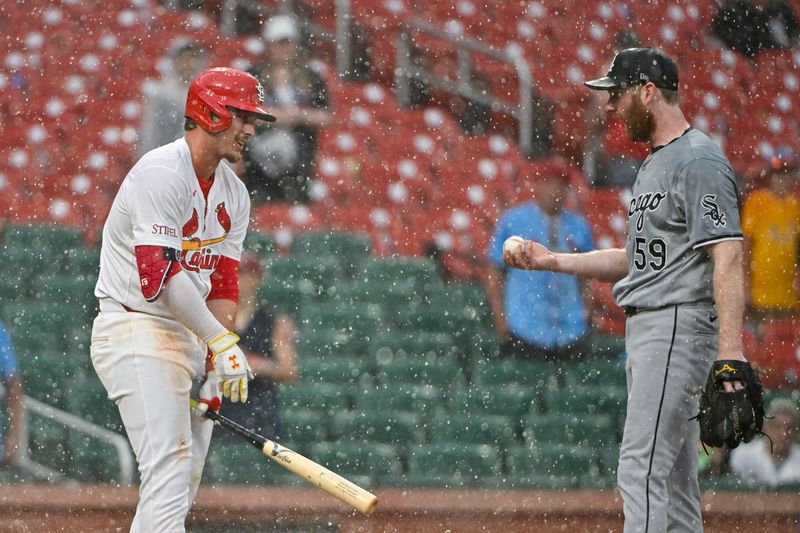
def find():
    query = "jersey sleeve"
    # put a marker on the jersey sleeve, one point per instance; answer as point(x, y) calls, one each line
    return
point(157, 200)
point(710, 202)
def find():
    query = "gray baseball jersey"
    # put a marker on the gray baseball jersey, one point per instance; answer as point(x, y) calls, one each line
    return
point(685, 197)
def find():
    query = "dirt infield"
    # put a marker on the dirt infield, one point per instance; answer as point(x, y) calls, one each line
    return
point(102, 508)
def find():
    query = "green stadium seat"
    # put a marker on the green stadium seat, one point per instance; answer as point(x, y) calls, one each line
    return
point(389, 347)
point(37, 236)
point(361, 319)
point(453, 465)
point(604, 347)
point(458, 322)
point(421, 274)
point(303, 426)
point(342, 370)
point(539, 375)
point(731, 482)
point(596, 373)
point(84, 261)
point(321, 272)
point(587, 399)
point(92, 460)
point(260, 243)
point(325, 398)
point(237, 463)
point(573, 429)
point(48, 443)
point(289, 296)
point(353, 460)
point(350, 249)
point(425, 400)
point(511, 400)
point(474, 428)
point(51, 377)
point(441, 372)
point(463, 295)
point(74, 290)
point(89, 400)
point(551, 466)
point(321, 343)
point(389, 427)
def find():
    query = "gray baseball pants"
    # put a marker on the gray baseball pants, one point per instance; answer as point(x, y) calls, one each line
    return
point(670, 351)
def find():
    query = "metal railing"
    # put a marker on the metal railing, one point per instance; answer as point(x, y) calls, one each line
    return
point(72, 422)
point(405, 70)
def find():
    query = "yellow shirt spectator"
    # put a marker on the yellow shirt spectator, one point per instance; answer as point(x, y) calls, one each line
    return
point(771, 222)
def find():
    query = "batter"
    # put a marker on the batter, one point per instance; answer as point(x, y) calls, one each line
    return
point(168, 291)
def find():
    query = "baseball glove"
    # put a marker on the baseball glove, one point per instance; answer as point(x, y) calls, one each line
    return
point(728, 418)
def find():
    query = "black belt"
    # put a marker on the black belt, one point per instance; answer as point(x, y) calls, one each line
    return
point(631, 310)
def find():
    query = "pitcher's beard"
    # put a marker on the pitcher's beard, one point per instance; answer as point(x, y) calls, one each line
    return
point(639, 122)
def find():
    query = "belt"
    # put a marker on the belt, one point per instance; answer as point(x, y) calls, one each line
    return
point(631, 310)
point(110, 305)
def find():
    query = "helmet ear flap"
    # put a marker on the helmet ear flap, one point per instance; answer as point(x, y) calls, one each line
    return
point(225, 117)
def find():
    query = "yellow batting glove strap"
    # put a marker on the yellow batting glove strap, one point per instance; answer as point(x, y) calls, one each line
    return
point(222, 343)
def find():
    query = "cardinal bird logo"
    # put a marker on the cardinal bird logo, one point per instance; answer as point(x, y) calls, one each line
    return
point(223, 217)
point(190, 228)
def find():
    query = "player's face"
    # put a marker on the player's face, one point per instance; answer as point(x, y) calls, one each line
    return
point(626, 105)
point(232, 141)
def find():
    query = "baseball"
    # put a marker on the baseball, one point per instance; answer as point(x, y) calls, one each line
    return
point(513, 243)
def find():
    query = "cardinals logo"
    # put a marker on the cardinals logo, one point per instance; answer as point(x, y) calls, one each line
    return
point(198, 256)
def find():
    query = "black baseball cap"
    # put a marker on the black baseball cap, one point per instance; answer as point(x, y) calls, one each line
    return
point(637, 66)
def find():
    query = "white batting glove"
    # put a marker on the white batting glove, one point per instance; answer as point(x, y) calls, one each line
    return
point(208, 396)
point(231, 367)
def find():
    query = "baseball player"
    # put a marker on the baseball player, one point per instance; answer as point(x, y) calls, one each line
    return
point(168, 291)
point(679, 280)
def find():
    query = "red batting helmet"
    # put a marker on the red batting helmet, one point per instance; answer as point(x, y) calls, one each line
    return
point(216, 89)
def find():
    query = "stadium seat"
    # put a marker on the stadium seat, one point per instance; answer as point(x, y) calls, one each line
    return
point(92, 461)
point(474, 428)
point(325, 398)
point(320, 271)
point(597, 430)
point(453, 465)
point(424, 400)
point(88, 399)
point(349, 249)
point(340, 370)
point(236, 463)
point(303, 426)
point(551, 466)
point(379, 463)
point(260, 243)
point(534, 374)
point(421, 273)
point(361, 320)
point(441, 372)
point(389, 347)
point(596, 373)
point(511, 400)
point(374, 425)
point(321, 343)
point(587, 399)
point(287, 295)
point(51, 376)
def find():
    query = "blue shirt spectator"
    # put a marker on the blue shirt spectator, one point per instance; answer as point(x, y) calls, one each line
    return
point(543, 310)
point(11, 399)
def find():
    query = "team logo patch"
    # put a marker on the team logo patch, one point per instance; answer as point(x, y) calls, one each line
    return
point(713, 212)
point(260, 91)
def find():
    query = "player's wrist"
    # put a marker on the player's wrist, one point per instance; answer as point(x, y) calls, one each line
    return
point(223, 341)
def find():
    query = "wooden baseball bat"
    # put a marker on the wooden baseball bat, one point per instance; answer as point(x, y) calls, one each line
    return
point(316, 474)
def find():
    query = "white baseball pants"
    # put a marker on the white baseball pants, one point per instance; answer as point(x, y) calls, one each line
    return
point(147, 365)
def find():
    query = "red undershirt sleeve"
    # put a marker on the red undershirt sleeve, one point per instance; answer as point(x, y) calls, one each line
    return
point(225, 280)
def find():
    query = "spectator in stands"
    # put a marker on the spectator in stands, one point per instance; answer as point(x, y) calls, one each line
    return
point(771, 225)
point(748, 27)
point(11, 400)
point(610, 158)
point(773, 461)
point(540, 315)
point(280, 157)
point(166, 99)
point(268, 341)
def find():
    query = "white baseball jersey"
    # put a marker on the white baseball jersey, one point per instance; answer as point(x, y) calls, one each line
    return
point(160, 203)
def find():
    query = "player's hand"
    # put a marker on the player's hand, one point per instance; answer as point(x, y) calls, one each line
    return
point(734, 385)
point(231, 367)
point(208, 396)
point(532, 256)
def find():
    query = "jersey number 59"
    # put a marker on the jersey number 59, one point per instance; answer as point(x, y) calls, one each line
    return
point(652, 253)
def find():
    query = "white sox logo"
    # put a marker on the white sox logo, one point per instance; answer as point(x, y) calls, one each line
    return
point(713, 212)
point(649, 201)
